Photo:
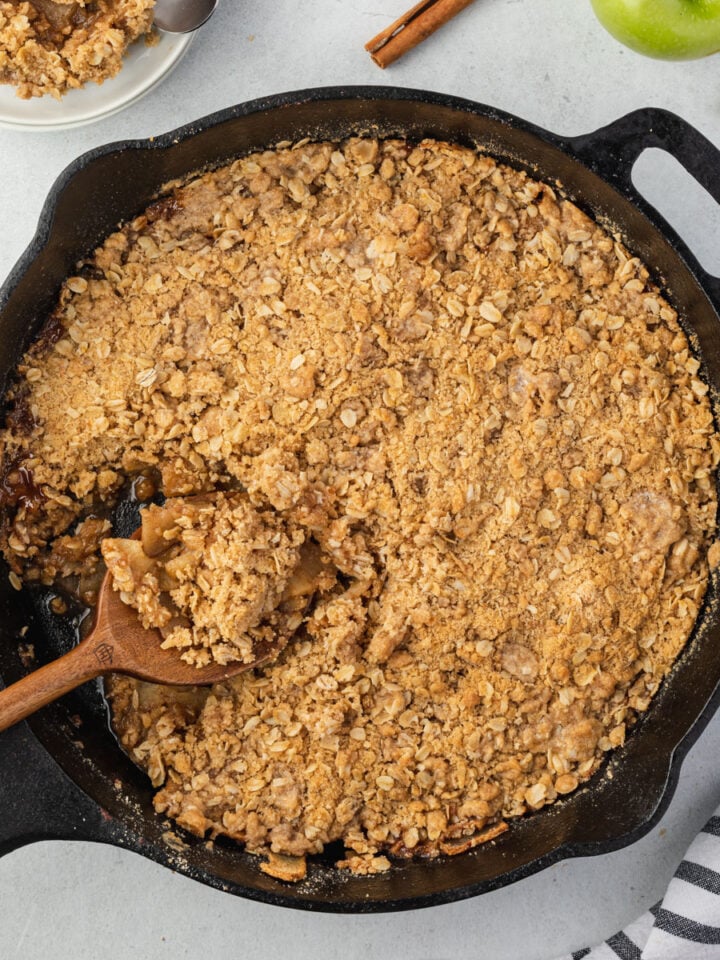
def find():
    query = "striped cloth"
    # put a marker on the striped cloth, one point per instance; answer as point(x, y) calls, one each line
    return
point(685, 925)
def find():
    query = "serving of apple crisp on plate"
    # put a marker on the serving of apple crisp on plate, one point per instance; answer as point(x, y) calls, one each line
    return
point(52, 46)
point(65, 63)
point(463, 399)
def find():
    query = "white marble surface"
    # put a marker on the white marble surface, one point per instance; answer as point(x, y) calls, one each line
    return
point(549, 62)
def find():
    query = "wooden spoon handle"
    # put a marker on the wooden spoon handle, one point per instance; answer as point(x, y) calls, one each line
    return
point(41, 687)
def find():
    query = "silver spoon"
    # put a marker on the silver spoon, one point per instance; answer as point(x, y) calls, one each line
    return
point(182, 16)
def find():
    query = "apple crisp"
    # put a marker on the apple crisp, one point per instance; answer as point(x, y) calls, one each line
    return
point(474, 403)
point(52, 46)
point(214, 575)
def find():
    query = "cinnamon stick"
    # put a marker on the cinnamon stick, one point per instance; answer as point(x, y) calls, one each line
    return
point(412, 28)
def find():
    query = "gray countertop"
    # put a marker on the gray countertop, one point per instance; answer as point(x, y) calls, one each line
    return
point(547, 61)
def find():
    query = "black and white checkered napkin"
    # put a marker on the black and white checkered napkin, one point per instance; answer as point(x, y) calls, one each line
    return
point(685, 925)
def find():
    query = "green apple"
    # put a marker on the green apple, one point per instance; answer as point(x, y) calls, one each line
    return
point(667, 29)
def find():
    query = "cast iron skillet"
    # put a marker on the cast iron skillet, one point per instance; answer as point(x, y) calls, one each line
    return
point(62, 775)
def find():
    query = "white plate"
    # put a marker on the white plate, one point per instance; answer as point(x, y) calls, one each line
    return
point(143, 68)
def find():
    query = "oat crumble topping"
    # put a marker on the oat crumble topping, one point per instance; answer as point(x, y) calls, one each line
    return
point(471, 398)
point(52, 46)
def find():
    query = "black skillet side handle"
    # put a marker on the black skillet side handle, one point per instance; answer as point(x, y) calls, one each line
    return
point(612, 151)
point(37, 800)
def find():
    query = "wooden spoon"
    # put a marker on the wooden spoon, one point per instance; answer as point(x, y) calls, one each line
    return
point(118, 643)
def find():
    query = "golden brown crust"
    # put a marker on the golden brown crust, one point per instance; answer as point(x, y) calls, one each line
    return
point(484, 413)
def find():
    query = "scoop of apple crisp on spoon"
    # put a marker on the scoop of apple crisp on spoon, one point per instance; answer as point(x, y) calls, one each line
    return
point(207, 588)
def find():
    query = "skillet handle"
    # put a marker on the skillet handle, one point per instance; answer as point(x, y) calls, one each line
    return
point(612, 151)
point(37, 800)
